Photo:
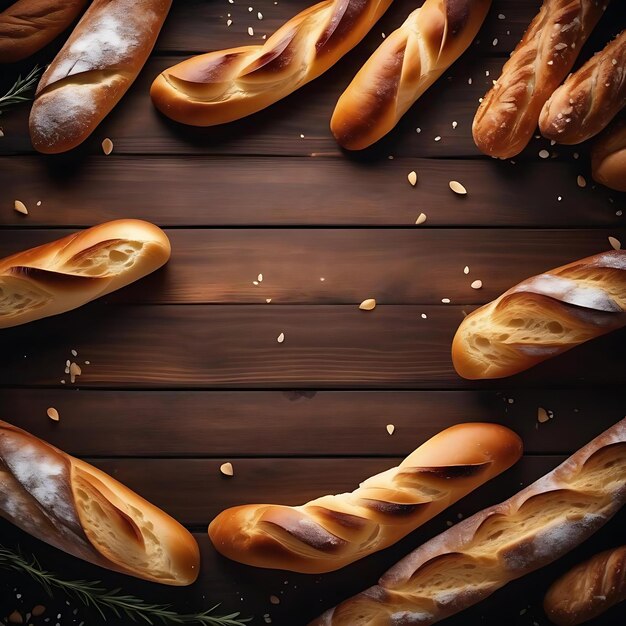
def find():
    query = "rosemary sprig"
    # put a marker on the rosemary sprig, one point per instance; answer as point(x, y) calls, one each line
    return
point(91, 594)
point(19, 92)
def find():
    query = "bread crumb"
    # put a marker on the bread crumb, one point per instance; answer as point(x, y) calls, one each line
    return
point(227, 469)
point(368, 305)
point(390, 428)
point(53, 414)
point(542, 415)
point(20, 207)
point(107, 146)
point(74, 371)
point(580, 181)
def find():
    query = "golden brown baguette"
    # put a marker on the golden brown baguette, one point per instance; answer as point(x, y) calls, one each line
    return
point(589, 99)
point(543, 316)
point(333, 531)
point(83, 511)
point(589, 589)
point(608, 157)
point(508, 115)
point(69, 272)
point(28, 25)
point(226, 85)
point(405, 65)
point(93, 70)
point(471, 560)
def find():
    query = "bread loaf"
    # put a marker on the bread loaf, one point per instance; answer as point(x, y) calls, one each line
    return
point(67, 273)
point(507, 116)
point(405, 65)
point(608, 157)
point(589, 99)
point(471, 560)
point(589, 589)
point(226, 85)
point(28, 25)
point(542, 317)
point(93, 70)
point(333, 531)
point(83, 511)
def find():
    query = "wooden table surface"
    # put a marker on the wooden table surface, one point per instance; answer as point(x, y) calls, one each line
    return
point(185, 371)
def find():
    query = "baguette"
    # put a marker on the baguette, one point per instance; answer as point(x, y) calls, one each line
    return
point(227, 85)
point(93, 70)
point(589, 99)
point(333, 531)
point(608, 157)
point(543, 316)
point(589, 589)
point(28, 25)
point(405, 65)
point(471, 560)
point(508, 114)
point(79, 509)
point(64, 274)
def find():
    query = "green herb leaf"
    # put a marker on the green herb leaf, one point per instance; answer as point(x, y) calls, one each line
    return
point(20, 90)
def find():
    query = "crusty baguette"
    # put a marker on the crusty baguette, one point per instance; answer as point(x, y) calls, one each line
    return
point(608, 157)
point(405, 65)
point(589, 99)
point(93, 70)
point(543, 316)
point(333, 531)
point(226, 85)
point(83, 511)
point(28, 25)
point(589, 589)
point(471, 560)
point(508, 114)
point(69, 272)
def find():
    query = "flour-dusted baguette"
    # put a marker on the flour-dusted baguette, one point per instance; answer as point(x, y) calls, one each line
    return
point(508, 115)
point(543, 316)
point(28, 25)
point(83, 511)
point(608, 157)
point(589, 589)
point(93, 70)
point(589, 99)
point(226, 85)
point(69, 272)
point(333, 531)
point(471, 560)
point(405, 65)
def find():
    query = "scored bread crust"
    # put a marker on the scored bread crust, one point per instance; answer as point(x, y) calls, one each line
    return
point(590, 97)
point(404, 66)
point(93, 70)
point(608, 157)
point(508, 114)
point(589, 589)
point(79, 509)
point(332, 531)
point(471, 560)
point(26, 26)
point(227, 85)
point(64, 274)
point(543, 316)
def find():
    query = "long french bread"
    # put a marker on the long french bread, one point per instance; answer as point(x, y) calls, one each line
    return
point(471, 560)
point(589, 99)
point(543, 316)
point(508, 114)
point(64, 274)
point(608, 157)
point(226, 85)
point(26, 26)
point(83, 511)
point(333, 531)
point(588, 590)
point(405, 65)
point(93, 70)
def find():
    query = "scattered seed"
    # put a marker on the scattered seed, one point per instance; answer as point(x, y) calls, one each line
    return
point(424, 316)
point(368, 305)
point(322, 279)
point(466, 269)
point(418, 130)
point(412, 177)
point(274, 600)
point(53, 414)
point(259, 15)
point(20, 207)
point(542, 415)
point(74, 353)
point(495, 42)
point(280, 338)
point(580, 180)
point(457, 187)
point(390, 428)
point(229, 22)
point(74, 371)
point(107, 146)
point(616, 244)
point(477, 284)
point(1, 133)
point(438, 138)
point(38, 202)
point(250, 31)
point(255, 282)
point(38, 610)
point(543, 154)
point(445, 300)
point(227, 469)
point(421, 218)
point(260, 278)
point(268, 300)
point(454, 124)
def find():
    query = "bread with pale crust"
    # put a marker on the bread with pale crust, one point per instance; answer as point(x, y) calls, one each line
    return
point(64, 274)
point(81, 510)
point(333, 531)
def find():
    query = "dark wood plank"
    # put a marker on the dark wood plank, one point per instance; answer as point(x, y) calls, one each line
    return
point(260, 191)
point(230, 346)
